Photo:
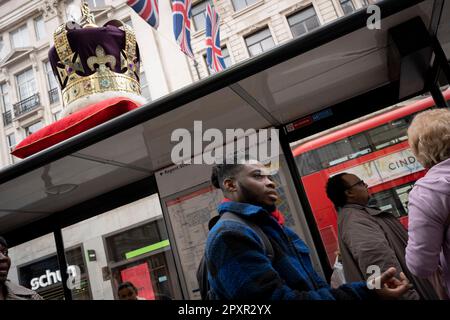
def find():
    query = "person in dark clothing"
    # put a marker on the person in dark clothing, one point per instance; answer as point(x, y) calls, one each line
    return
point(8, 289)
point(239, 268)
point(369, 236)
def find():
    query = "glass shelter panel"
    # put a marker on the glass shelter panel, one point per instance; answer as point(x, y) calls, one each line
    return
point(127, 244)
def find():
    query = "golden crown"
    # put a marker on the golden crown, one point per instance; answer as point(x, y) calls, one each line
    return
point(82, 72)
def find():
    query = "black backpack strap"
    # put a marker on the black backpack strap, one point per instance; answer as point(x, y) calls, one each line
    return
point(202, 278)
point(267, 245)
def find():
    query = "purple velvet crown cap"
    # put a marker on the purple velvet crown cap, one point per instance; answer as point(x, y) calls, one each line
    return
point(84, 42)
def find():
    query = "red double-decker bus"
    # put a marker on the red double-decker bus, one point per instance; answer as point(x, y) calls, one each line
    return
point(376, 150)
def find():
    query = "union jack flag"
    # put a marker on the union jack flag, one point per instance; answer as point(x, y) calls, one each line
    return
point(214, 57)
point(147, 9)
point(181, 11)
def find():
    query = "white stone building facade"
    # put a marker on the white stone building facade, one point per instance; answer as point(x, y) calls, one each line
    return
point(249, 27)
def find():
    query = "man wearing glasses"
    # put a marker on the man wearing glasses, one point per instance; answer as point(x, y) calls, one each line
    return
point(370, 239)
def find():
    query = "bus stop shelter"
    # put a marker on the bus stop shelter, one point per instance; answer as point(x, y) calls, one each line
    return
point(332, 75)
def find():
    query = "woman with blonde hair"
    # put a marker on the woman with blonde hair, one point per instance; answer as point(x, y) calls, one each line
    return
point(428, 249)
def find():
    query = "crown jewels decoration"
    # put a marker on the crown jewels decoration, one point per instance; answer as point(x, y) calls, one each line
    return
point(82, 72)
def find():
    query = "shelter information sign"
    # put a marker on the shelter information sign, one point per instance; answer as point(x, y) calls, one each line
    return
point(189, 215)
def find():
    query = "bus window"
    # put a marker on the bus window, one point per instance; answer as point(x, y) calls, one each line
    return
point(389, 134)
point(308, 163)
point(360, 145)
point(376, 149)
point(403, 193)
point(395, 199)
point(334, 153)
point(388, 200)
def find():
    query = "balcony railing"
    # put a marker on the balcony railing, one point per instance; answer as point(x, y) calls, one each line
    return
point(26, 105)
point(53, 95)
point(7, 117)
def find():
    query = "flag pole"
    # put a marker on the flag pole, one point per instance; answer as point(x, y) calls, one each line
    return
point(196, 67)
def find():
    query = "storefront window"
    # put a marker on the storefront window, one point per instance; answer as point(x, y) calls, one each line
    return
point(150, 275)
point(125, 244)
point(142, 256)
point(129, 243)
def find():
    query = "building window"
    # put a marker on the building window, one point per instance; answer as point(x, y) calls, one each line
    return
point(145, 89)
point(226, 56)
point(3, 49)
point(303, 21)
point(226, 59)
point(73, 13)
point(53, 94)
point(19, 37)
point(206, 64)
point(142, 256)
point(96, 3)
point(241, 4)
point(347, 6)
point(39, 26)
point(366, 3)
point(57, 116)
point(6, 105)
point(51, 80)
point(33, 128)
point(68, 8)
point(4, 99)
point(128, 22)
point(11, 139)
point(26, 84)
point(199, 15)
point(29, 98)
point(259, 42)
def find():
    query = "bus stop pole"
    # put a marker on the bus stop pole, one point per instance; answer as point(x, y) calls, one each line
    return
point(62, 262)
point(440, 57)
point(433, 85)
point(438, 97)
point(309, 216)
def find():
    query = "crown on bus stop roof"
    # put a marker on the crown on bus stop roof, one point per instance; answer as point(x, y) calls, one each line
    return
point(94, 63)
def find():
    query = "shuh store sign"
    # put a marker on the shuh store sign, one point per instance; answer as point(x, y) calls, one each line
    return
point(45, 273)
point(52, 277)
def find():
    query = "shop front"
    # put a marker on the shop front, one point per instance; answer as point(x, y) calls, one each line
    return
point(141, 255)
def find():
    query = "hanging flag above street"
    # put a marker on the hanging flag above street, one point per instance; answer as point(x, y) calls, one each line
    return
point(147, 9)
point(181, 11)
point(214, 57)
